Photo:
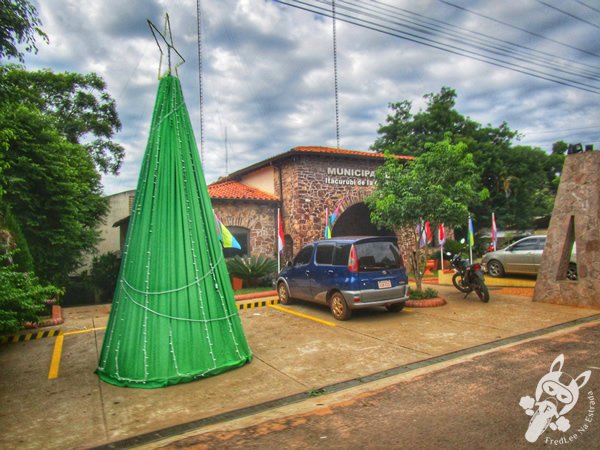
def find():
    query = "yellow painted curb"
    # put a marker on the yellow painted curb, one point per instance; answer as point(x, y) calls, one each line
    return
point(257, 304)
point(446, 279)
point(29, 336)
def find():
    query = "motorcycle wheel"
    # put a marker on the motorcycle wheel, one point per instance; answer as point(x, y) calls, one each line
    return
point(482, 292)
point(457, 280)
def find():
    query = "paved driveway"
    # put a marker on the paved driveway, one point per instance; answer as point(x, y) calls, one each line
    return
point(293, 355)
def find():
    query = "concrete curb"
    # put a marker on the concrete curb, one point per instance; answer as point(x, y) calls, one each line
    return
point(426, 303)
point(254, 295)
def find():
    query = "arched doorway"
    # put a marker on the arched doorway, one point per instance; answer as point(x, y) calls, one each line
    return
point(356, 221)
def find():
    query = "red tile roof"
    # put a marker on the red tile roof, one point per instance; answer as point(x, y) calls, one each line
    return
point(237, 191)
point(342, 151)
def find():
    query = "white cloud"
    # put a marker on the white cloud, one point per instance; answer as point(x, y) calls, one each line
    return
point(268, 73)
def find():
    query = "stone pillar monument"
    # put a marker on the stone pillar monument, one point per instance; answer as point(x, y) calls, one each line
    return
point(575, 218)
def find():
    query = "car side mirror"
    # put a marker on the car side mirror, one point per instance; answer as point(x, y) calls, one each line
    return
point(288, 264)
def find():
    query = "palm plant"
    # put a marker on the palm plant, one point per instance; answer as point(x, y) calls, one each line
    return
point(251, 268)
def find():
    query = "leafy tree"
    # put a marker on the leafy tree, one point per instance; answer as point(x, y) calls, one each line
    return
point(524, 192)
point(53, 189)
point(5, 135)
point(14, 240)
point(56, 131)
point(437, 186)
point(407, 134)
point(78, 104)
point(22, 297)
point(19, 24)
point(500, 165)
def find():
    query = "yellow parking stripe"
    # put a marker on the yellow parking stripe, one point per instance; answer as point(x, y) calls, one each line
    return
point(55, 363)
point(324, 322)
point(87, 330)
point(57, 353)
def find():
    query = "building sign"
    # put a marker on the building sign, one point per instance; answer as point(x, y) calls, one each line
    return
point(350, 177)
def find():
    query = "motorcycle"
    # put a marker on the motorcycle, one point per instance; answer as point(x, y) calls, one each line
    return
point(468, 278)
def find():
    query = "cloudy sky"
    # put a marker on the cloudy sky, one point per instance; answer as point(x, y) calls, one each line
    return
point(268, 78)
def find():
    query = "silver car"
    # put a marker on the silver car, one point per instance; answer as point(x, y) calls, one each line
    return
point(523, 256)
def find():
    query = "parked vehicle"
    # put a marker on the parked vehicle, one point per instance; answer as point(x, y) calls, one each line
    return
point(505, 242)
point(523, 256)
point(345, 274)
point(469, 277)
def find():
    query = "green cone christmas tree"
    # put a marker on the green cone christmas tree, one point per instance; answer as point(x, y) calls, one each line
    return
point(173, 317)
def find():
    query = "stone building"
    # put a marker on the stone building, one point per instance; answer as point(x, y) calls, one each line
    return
point(305, 183)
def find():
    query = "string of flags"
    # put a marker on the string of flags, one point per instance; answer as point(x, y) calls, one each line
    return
point(423, 230)
point(330, 219)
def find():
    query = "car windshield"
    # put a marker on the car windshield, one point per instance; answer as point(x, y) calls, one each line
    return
point(378, 255)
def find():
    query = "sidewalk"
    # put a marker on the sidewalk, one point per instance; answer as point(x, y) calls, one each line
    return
point(294, 357)
point(474, 403)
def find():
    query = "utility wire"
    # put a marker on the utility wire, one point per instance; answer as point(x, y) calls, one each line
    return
point(463, 32)
point(200, 80)
point(588, 6)
point(470, 11)
point(461, 38)
point(566, 13)
point(412, 37)
point(335, 76)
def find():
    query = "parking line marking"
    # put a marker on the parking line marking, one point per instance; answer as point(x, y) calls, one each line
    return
point(325, 322)
point(87, 330)
point(56, 354)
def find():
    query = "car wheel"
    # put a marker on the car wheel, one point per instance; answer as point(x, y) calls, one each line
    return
point(457, 282)
point(395, 307)
point(495, 268)
point(339, 307)
point(284, 295)
point(572, 272)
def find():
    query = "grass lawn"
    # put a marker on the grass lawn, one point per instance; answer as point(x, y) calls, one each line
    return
point(434, 274)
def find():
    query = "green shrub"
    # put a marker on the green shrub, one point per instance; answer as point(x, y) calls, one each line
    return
point(104, 273)
point(423, 295)
point(251, 269)
point(22, 297)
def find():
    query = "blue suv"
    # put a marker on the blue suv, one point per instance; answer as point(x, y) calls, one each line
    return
point(347, 273)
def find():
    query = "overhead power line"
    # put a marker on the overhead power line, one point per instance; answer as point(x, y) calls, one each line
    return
point(475, 35)
point(381, 23)
point(518, 28)
point(480, 41)
point(200, 77)
point(566, 13)
point(335, 76)
point(588, 6)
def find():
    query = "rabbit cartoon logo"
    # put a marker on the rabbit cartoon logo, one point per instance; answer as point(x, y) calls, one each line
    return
point(556, 394)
